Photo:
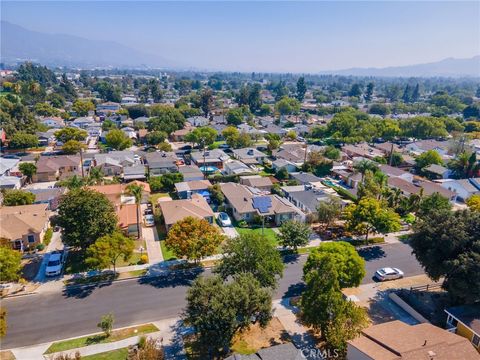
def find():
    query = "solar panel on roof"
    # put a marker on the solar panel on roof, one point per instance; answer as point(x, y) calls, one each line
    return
point(262, 204)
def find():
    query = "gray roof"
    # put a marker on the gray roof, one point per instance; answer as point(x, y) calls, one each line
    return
point(304, 177)
point(161, 159)
point(42, 195)
point(115, 157)
point(7, 164)
point(134, 170)
point(309, 198)
point(436, 169)
point(286, 351)
point(237, 167)
point(210, 155)
point(248, 153)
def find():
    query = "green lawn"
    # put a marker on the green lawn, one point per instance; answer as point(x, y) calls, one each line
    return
point(269, 233)
point(119, 354)
point(155, 197)
point(166, 252)
point(116, 335)
point(75, 262)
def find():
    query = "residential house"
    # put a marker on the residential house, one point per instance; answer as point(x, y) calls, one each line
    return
point(464, 320)
point(8, 166)
point(176, 210)
point(388, 147)
point(271, 128)
point(396, 340)
point(235, 167)
point(305, 178)
point(135, 172)
point(160, 163)
point(53, 168)
point(361, 150)
point(259, 182)
point(50, 196)
point(53, 122)
point(10, 182)
point(239, 199)
point(249, 156)
point(215, 158)
point(250, 130)
point(83, 122)
point(419, 147)
point(179, 135)
point(108, 107)
point(282, 163)
point(25, 225)
point(186, 189)
point(142, 135)
point(129, 132)
point(391, 171)
point(307, 197)
point(46, 138)
point(198, 121)
point(191, 173)
point(295, 153)
point(118, 195)
point(419, 187)
point(435, 171)
point(114, 162)
point(464, 188)
point(127, 219)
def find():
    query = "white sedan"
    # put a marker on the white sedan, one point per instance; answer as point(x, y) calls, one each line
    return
point(388, 273)
point(224, 220)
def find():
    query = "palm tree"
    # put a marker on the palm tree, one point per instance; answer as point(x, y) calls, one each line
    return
point(363, 166)
point(137, 192)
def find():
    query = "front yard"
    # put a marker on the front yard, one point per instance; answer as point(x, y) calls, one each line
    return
point(269, 233)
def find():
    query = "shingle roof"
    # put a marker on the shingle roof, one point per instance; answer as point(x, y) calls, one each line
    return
point(177, 210)
point(17, 221)
point(54, 163)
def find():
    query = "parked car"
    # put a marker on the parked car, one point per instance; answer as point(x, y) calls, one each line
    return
point(149, 220)
point(224, 220)
point(55, 264)
point(148, 211)
point(388, 273)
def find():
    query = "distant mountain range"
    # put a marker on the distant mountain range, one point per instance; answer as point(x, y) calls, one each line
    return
point(20, 44)
point(448, 67)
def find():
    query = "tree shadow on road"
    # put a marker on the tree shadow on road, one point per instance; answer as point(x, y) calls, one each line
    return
point(83, 291)
point(172, 278)
point(290, 257)
point(294, 290)
point(372, 253)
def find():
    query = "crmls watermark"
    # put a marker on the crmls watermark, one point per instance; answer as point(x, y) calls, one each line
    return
point(316, 354)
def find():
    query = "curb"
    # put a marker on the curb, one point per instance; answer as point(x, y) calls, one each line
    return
point(20, 295)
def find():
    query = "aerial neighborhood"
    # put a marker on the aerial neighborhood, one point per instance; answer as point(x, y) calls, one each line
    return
point(342, 211)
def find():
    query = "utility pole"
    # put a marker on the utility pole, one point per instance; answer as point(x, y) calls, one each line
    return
point(81, 161)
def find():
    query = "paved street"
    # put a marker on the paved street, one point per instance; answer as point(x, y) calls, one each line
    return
point(52, 316)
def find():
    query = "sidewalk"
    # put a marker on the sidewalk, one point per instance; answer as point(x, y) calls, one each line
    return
point(169, 333)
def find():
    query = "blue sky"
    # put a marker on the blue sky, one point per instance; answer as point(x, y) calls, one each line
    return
point(268, 36)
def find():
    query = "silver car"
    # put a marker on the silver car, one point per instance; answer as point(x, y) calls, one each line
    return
point(388, 273)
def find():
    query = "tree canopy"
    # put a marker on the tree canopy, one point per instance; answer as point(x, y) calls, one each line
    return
point(294, 234)
point(108, 249)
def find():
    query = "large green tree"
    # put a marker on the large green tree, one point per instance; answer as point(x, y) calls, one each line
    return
point(371, 215)
point(217, 310)
point(10, 264)
point(428, 158)
point(166, 119)
point(193, 238)
point(250, 253)
point(23, 140)
point(349, 266)
point(202, 136)
point(294, 234)
point(14, 197)
point(85, 215)
point(328, 211)
point(70, 133)
point(108, 250)
point(117, 139)
point(447, 244)
point(28, 169)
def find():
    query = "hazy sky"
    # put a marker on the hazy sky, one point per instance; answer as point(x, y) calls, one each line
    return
point(268, 36)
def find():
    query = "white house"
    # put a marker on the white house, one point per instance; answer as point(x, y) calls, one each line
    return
point(464, 188)
point(198, 121)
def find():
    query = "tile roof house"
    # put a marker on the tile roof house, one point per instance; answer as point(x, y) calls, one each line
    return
point(465, 321)
point(239, 198)
point(53, 168)
point(24, 225)
point(396, 340)
point(249, 156)
point(127, 219)
point(176, 210)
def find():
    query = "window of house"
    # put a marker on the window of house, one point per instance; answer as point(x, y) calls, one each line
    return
point(31, 238)
point(476, 340)
point(451, 320)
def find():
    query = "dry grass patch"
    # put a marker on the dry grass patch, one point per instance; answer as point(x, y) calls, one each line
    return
point(7, 355)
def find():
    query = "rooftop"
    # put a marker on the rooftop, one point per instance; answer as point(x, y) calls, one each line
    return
point(177, 210)
point(20, 220)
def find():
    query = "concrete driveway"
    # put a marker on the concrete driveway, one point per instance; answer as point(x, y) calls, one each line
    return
point(231, 232)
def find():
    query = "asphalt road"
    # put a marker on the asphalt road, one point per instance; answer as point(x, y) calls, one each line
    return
point(52, 316)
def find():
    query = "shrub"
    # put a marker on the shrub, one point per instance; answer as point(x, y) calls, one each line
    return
point(106, 324)
point(242, 224)
point(143, 259)
point(48, 236)
point(142, 341)
point(40, 247)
